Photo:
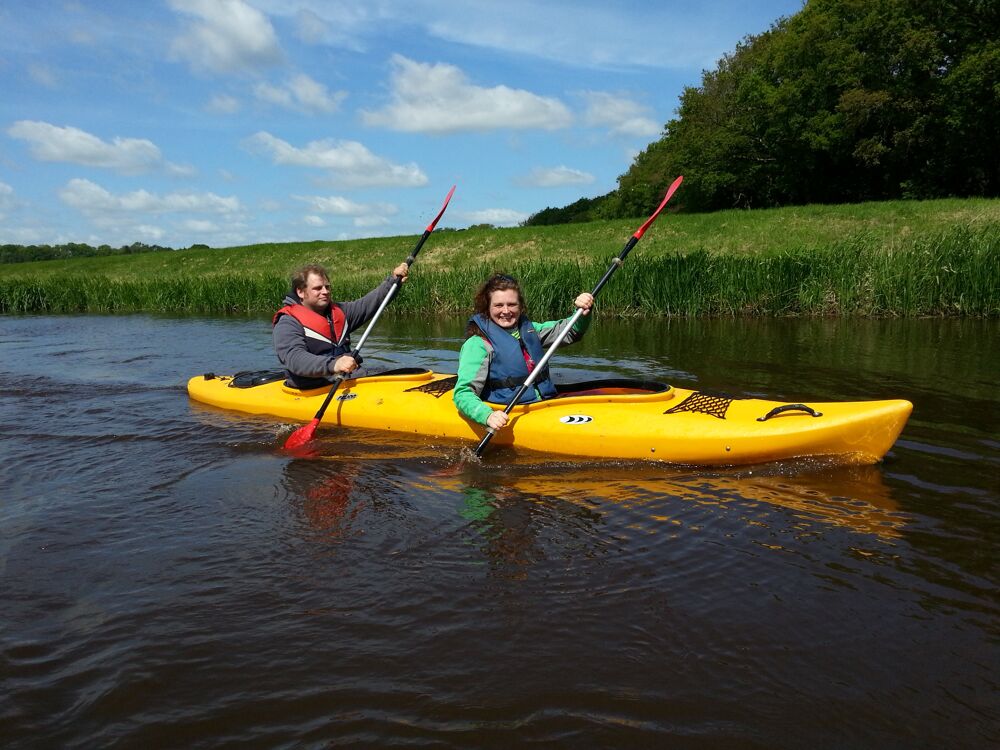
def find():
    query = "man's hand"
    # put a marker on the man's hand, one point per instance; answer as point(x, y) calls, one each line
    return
point(344, 365)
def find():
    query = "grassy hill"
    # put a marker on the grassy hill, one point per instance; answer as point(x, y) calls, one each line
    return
point(901, 257)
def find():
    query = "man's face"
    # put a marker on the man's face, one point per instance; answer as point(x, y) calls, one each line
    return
point(316, 295)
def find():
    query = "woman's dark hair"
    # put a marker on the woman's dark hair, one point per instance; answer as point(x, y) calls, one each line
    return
point(498, 282)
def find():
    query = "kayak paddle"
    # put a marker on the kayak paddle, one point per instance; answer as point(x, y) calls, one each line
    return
point(305, 433)
point(615, 265)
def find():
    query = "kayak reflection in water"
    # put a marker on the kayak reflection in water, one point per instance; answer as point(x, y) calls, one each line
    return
point(501, 349)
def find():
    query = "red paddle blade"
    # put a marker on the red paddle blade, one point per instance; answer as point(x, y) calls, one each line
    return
point(430, 227)
point(670, 194)
point(301, 436)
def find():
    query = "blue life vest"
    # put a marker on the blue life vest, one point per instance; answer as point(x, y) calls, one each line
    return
point(509, 370)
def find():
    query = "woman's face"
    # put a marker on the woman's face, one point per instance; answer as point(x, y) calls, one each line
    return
point(505, 308)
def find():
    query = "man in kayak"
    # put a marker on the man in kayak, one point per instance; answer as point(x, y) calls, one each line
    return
point(502, 348)
point(312, 334)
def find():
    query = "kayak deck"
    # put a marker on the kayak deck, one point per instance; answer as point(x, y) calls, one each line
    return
point(621, 419)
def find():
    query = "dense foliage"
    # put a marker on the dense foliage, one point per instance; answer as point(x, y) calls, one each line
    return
point(847, 100)
point(28, 253)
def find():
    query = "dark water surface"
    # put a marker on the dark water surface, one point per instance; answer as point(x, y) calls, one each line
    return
point(168, 578)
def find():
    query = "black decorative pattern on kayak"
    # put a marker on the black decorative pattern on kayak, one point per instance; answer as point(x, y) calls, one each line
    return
point(436, 388)
point(703, 403)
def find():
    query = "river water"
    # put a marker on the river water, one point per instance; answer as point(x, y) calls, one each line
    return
point(169, 578)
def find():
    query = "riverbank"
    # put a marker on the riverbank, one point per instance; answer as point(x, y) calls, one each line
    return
point(906, 258)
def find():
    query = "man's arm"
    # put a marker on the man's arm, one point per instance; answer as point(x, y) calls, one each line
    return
point(359, 311)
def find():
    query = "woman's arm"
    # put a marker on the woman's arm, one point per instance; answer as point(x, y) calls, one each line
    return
point(473, 369)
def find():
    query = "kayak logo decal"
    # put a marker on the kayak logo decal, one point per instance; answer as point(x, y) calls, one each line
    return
point(346, 396)
point(576, 419)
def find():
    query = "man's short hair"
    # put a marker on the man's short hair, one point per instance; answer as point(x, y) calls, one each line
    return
point(301, 277)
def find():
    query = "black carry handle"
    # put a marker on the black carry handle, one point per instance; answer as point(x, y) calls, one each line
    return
point(790, 407)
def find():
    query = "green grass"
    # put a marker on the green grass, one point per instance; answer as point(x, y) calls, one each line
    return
point(895, 258)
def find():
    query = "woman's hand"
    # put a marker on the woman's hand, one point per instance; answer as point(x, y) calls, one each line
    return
point(401, 271)
point(496, 420)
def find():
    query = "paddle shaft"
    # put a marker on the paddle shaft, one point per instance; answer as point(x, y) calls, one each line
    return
point(615, 265)
point(305, 433)
point(371, 324)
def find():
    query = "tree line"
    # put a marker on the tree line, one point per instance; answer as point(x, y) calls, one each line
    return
point(26, 253)
point(844, 101)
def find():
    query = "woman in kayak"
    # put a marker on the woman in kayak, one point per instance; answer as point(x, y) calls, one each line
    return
point(502, 348)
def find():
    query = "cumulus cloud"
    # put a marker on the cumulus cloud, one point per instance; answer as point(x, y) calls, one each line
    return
point(363, 214)
point(301, 93)
point(42, 75)
point(227, 36)
point(556, 177)
point(348, 162)
point(496, 216)
point(6, 199)
point(223, 104)
point(621, 115)
point(96, 201)
point(202, 226)
point(440, 99)
point(310, 28)
point(68, 144)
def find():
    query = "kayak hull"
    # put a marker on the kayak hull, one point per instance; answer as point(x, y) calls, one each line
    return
point(605, 419)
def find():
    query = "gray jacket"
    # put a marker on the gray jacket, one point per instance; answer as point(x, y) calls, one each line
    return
point(290, 338)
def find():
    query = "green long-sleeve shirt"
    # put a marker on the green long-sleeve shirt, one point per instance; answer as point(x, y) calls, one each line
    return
point(476, 356)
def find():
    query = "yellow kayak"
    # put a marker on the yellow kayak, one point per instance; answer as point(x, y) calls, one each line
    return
point(614, 419)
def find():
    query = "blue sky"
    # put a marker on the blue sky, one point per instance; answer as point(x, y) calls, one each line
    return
point(230, 122)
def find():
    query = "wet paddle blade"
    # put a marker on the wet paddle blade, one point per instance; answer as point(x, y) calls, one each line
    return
point(302, 435)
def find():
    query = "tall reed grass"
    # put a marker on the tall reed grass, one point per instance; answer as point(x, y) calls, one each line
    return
point(952, 272)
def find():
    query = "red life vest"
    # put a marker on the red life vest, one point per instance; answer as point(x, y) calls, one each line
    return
point(323, 333)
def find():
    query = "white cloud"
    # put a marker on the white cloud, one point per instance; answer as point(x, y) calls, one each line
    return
point(223, 104)
point(363, 214)
point(228, 36)
point(310, 28)
point(49, 142)
point(42, 75)
point(621, 115)
point(302, 93)
point(200, 225)
point(149, 232)
point(6, 200)
point(440, 99)
point(495, 216)
point(364, 222)
point(95, 201)
point(349, 162)
point(314, 221)
point(69, 144)
point(556, 177)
